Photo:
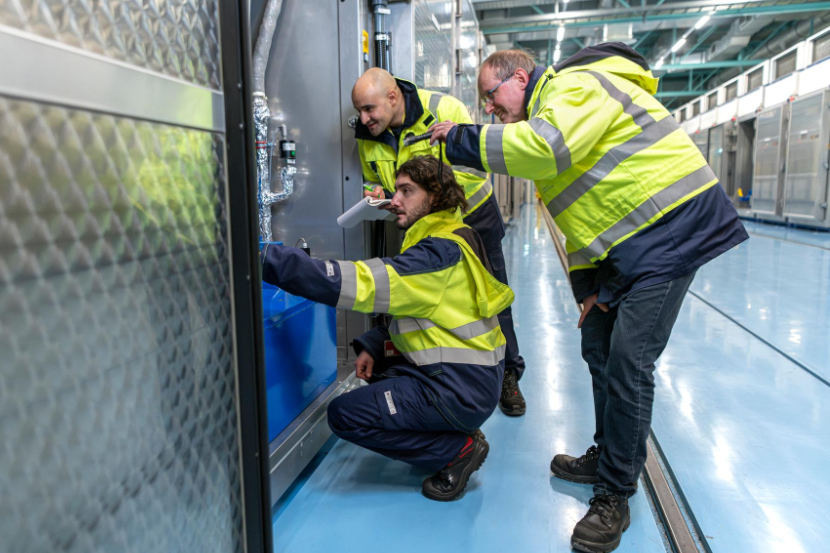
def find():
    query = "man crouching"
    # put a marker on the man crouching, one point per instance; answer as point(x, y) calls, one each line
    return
point(436, 370)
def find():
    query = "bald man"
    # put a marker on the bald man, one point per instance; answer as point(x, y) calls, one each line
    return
point(390, 110)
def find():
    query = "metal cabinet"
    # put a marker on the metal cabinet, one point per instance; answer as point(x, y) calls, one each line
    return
point(770, 145)
point(805, 180)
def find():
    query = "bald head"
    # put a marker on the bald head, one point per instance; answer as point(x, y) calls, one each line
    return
point(379, 100)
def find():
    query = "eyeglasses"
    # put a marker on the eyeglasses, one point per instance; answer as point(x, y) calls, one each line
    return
point(488, 96)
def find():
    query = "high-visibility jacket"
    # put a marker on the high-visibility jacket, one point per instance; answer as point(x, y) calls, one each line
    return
point(444, 302)
point(630, 191)
point(380, 156)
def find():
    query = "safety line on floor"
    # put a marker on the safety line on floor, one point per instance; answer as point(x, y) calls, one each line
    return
point(764, 340)
point(670, 515)
point(797, 243)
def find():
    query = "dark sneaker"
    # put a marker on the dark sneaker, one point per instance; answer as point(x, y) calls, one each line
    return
point(600, 531)
point(512, 402)
point(582, 470)
point(450, 482)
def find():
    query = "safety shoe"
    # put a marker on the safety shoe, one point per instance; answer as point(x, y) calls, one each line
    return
point(600, 531)
point(582, 470)
point(450, 482)
point(512, 402)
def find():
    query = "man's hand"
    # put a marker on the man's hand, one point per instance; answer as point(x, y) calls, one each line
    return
point(588, 304)
point(376, 192)
point(440, 131)
point(363, 365)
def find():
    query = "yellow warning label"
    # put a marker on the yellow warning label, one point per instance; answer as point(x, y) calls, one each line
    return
point(365, 42)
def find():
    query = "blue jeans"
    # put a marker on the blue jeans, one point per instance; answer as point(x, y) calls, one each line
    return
point(620, 348)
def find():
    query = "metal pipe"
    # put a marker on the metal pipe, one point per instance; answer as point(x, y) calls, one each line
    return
point(262, 117)
point(383, 38)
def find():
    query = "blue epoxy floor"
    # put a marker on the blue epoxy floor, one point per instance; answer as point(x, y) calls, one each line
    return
point(743, 428)
point(817, 238)
point(359, 501)
point(779, 290)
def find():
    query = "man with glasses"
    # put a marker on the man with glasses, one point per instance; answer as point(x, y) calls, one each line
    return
point(641, 211)
point(391, 110)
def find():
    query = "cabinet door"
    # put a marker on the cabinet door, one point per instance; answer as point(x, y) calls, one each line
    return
point(806, 176)
point(767, 161)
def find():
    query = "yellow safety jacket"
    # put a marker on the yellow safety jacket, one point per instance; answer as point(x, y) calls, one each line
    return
point(444, 304)
point(610, 163)
point(380, 156)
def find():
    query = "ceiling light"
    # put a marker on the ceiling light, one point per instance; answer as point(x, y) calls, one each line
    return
point(560, 33)
point(703, 20)
point(679, 45)
point(557, 55)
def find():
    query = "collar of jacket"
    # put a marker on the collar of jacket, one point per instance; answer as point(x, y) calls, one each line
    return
point(414, 112)
point(538, 71)
point(440, 221)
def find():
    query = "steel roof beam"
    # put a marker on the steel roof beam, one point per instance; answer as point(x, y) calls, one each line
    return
point(571, 19)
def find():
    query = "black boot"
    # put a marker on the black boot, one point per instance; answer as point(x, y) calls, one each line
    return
point(600, 531)
point(582, 470)
point(450, 482)
point(512, 402)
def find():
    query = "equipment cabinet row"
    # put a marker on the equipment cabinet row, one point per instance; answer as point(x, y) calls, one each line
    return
point(775, 163)
point(768, 139)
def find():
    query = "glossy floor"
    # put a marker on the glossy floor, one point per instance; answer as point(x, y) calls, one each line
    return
point(359, 501)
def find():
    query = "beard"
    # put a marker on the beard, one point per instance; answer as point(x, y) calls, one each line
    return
point(414, 215)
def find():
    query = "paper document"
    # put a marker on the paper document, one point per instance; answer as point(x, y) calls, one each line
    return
point(365, 210)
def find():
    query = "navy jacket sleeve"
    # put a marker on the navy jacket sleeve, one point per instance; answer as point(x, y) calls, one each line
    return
point(372, 342)
point(295, 272)
point(463, 146)
point(583, 283)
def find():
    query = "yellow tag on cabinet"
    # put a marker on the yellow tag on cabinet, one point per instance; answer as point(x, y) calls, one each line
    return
point(365, 42)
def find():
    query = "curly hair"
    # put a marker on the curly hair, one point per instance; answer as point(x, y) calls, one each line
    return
point(423, 170)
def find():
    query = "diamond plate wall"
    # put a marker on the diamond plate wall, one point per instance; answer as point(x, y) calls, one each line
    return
point(118, 428)
point(179, 38)
point(433, 45)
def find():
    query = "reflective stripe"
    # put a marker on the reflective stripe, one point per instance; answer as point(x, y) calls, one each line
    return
point(480, 195)
point(382, 288)
point(456, 355)
point(555, 140)
point(647, 210)
point(434, 100)
point(465, 332)
point(476, 328)
point(348, 285)
point(638, 113)
point(495, 149)
point(409, 324)
point(469, 170)
point(578, 259)
point(608, 162)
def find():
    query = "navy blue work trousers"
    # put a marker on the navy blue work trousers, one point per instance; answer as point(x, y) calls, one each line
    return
point(396, 418)
point(488, 223)
point(620, 348)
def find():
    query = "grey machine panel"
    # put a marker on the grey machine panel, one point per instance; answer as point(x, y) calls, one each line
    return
point(805, 188)
point(701, 140)
point(769, 147)
point(715, 152)
point(118, 391)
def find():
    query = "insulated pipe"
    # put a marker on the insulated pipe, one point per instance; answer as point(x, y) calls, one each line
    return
point(262, 116)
